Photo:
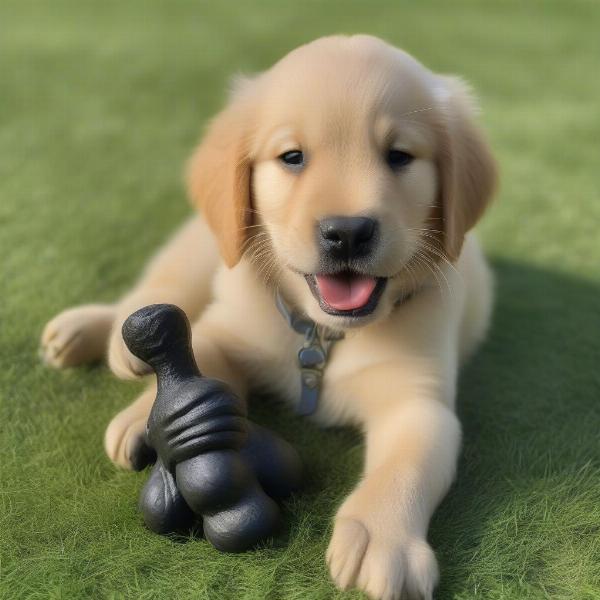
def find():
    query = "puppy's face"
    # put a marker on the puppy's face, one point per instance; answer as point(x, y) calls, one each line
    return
point(351, 191)
point(344, 176)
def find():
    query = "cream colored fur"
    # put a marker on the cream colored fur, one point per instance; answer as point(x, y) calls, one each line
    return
point(340, 99)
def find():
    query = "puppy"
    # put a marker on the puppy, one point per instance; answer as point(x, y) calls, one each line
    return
point(339, 184)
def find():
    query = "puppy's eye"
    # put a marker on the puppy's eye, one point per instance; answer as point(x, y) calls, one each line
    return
point(397, 159)
point(292, 158)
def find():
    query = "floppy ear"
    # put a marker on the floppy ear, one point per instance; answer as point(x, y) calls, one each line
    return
point(218, 178)
point(466, 165)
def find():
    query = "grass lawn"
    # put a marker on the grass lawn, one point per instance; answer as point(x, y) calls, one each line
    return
point(100, 104)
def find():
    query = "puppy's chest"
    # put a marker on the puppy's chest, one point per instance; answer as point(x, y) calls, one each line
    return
point(285, 370)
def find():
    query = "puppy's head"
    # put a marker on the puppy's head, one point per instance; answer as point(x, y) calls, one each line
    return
point(346, 171)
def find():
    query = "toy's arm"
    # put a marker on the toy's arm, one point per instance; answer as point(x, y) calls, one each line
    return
point(197, 416)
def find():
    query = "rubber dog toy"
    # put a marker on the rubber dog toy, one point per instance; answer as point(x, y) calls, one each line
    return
point(211, 461)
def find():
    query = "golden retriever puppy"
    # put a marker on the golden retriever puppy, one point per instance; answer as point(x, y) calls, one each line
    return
point(341, 182)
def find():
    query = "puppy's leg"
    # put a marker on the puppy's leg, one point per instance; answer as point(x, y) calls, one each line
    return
point(181, 274)
point(77, 336)
point(379, 539)
point(124, 440)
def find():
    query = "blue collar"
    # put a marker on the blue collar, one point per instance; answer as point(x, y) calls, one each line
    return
point(312, 355)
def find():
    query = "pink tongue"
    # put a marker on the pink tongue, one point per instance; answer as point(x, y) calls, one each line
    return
point(346, 293)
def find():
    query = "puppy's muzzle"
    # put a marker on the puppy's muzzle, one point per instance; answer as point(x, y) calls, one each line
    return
point(344, 284)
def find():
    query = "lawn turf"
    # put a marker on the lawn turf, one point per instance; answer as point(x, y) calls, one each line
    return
point(100, 104)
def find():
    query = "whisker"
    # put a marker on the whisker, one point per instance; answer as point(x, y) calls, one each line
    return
point(418, 110)
point(424, 229)
point(418, 259)
point(434, 269)
point(437, 268)
point(441, 255)
point(250, 227)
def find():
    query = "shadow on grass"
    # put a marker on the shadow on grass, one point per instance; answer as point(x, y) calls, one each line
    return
point(528, 403)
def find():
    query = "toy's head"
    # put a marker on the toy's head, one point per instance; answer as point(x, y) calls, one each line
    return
point(157, 331)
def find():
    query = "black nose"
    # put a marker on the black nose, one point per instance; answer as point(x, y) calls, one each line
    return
point(345, 238)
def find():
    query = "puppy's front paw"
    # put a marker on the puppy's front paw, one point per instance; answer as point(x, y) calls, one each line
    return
point(383, 566)
point(125, 442)
point(76, 336)
point(121, 361)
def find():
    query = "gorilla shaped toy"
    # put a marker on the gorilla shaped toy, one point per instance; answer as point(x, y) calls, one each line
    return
point(211, 461)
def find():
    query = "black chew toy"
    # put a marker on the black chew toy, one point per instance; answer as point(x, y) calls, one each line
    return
point(211, 461)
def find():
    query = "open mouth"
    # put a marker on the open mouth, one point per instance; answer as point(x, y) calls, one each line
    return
point(347, 294)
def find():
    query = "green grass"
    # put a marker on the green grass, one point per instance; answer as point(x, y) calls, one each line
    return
point(100, 103)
